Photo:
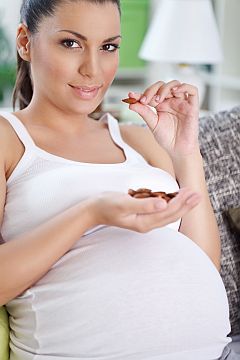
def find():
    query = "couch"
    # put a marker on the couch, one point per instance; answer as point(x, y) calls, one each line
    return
point(220, 147)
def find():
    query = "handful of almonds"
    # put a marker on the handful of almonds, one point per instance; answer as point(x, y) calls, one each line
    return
point(145, 193)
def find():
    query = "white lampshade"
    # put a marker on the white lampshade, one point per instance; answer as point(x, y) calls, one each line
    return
point(183, 31)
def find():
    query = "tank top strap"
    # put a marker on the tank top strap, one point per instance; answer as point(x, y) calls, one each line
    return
point(19, 129)
point(114, 130)
point(115, 133)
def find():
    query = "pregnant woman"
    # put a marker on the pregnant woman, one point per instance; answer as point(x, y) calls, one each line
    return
point(86, 270)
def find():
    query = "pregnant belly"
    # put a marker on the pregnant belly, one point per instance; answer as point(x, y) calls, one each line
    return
point(118, 292)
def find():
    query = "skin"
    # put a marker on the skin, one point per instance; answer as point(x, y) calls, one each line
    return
point(73, 62)
point(57, 118)
point(174, 124)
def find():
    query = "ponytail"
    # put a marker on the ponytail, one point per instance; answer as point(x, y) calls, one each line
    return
point(23, 89)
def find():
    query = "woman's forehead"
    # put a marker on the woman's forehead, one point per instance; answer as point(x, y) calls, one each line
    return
point(83, 16)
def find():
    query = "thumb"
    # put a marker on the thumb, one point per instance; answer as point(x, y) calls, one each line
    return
point(146, 112)
point(148, 205)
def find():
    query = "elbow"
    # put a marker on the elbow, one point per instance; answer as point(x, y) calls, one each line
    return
point(3, 301)
point(217, 265)
point(8, 295)
point(216, 260)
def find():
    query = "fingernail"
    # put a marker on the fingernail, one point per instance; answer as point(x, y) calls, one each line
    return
point(157, 98)
point(143, 99)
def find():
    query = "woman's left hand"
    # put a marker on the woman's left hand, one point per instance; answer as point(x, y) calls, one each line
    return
point(171, 111)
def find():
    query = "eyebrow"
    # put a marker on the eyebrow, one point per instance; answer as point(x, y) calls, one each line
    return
point(82, 37)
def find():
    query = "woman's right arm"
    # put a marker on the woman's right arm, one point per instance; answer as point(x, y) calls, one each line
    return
point(25, 259)
point(29, 256)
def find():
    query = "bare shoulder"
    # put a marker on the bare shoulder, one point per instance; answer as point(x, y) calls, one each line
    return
point(10, 146)
point(3, 164)
point(7, 134)
point(141, 139)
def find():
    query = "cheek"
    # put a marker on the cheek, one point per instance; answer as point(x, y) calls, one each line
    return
point(56, 69)
point(51, 66)
point(110, 70)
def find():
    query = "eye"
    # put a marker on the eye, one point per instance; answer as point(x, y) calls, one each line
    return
point(110, 47)
point(70, 43)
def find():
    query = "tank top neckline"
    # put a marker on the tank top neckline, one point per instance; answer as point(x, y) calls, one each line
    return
point(113, 128)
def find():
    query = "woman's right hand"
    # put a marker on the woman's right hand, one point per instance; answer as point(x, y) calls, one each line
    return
point(141, 215)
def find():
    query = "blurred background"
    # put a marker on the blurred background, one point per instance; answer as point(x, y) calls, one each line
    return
point(195, 41)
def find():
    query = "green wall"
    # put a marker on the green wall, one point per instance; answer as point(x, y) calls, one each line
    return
point(135, 16)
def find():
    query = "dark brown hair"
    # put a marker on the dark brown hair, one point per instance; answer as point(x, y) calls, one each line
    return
point(32, 12)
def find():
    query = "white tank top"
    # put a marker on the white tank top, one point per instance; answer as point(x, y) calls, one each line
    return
point(117, 294)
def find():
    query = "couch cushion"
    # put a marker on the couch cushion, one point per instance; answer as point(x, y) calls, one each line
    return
point(220, 147)
point(4, 334)
point(233, 215)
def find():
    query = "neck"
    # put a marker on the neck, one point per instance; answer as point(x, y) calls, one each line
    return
point(48, 115)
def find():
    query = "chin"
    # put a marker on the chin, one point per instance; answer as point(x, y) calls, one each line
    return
point(82, 109)
point(80, 106)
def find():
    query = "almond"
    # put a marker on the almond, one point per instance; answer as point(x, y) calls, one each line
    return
point(130, 101)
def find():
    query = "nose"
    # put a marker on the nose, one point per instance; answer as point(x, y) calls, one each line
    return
point(90, 65)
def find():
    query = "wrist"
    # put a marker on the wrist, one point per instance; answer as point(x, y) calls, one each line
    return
point(93, 211)
point(189, 169)
point(88, 213)
point(192, 159)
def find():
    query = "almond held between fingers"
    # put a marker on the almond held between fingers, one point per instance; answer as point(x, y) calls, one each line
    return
point(130, 101)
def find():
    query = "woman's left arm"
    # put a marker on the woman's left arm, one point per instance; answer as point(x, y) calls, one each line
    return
point(199, 224)
point(174, 124)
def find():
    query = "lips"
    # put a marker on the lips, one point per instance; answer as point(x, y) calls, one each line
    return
point(86, 88)
point(86, 92)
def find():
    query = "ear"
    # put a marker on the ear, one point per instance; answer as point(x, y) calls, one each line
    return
point(23, 42)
